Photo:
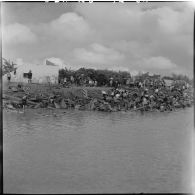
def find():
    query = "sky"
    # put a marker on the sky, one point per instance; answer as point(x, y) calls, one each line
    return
point(154, 37)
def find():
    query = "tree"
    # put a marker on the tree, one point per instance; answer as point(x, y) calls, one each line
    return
point(8, 67)
point(101, 79)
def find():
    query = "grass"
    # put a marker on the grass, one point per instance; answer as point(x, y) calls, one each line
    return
point(46, 90)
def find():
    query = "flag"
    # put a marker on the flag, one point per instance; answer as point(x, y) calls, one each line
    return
point(50, 63)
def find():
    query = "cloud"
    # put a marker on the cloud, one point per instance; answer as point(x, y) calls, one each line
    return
point(171, 21)
point(18, 33)
point(98, 54)
point(158, 63)
point(131, 23)
point(69, 26)
point(119, 68)
point(165, 30)
point(153, 36)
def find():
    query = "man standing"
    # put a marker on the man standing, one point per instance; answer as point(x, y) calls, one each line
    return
point(72, 79)
point(111, 82)
point(30, 77)
point(24, 102)
point(8, 77)
point(65, 80)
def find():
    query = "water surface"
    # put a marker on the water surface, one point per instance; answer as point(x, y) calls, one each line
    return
point(96, 152)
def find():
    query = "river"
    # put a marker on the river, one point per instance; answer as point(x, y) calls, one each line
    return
point(97, 152)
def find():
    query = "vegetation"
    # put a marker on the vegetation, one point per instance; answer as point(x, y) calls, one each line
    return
point(101, 76)
point(8, 66)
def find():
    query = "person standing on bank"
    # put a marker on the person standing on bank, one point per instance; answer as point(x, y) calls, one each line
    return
point(30, 76)
point(24, 102)
point(8, 77)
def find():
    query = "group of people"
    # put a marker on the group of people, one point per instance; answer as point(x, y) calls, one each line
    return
point(146, 95)
point(158, 98)
point(147, 98)
point(78, 81)
point(82, 80)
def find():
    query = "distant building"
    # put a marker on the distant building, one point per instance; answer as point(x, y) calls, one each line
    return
point(155, 76)
point(40, 73)
point(168, 82)
point(147, 76)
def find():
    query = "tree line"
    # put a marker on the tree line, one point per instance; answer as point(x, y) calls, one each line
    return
point(101, 76)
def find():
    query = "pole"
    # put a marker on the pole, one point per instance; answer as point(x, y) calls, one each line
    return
point(1, 112)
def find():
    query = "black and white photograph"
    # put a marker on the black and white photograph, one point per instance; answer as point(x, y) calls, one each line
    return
point(98, 97)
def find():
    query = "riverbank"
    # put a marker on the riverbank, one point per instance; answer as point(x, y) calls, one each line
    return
point(97, 98)
point(41, 95)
